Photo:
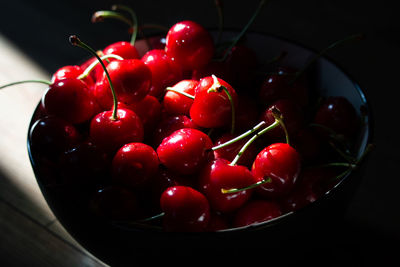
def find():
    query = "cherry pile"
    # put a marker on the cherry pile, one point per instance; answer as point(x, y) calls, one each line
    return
point(192, 136)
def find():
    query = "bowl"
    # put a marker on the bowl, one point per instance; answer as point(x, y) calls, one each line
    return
point(119, 244)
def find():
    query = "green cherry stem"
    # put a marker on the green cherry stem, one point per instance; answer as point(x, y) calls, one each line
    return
point(244, 30)
point(133, 17)
point(95, 63)
point(74, 40)
point(217, 87)
point(26, 81)
point(179, 92)
point(100, 15)
point(235, 190)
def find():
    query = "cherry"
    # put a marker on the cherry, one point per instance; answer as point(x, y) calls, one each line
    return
point(214, 104)
point(247, 113)
point(131, 79)
point(186, 209)
point(164, 71)
point(219, 175)
point(256, 211)
point(73, 71)
point(217, 222)
point(217, 68)
point(51, 136)
point(189, 44)
point(292, 116)
point(70, 99)
point(134, 164)
point(175, 103)
point(185, 151)
point(123, 49)
point(279, 162)
point(170, 124)
point(114, 203)
point(337, 114)
point(148, 110)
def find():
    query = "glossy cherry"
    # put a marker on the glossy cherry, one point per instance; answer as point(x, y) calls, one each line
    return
point(218, 175)
point(213, 108)
point(256, 211)
point(71, 71)
point(177, 104)
point(170, 124)
point(337, 114)
point(185, 209)
point(111, 134)
point(189, 44)
point(134, 165)
point(164, 71)
point(279, 162)
point(123, 49)
point(71, 100)
point(131, 79)
point(185, 151)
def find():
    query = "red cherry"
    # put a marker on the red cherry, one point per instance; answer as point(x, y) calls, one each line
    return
point(178, 104)
point(170, 124)
point(293, 119)
point(217, 222)
point(134, 164)
point(149, 111)
point(123, 49)
point(164, 71)
point(279, 162)
point(114, 203)
point(185, 151)
point(186, 209)
point(212, 109)
point(111, 134)
point(131, 79)
point(256, 211)
point(189, 44)
point(338, 115)
point(71, 72)
point(70, 99)
point(51, 136)
point(218, 175)
point(280, 85)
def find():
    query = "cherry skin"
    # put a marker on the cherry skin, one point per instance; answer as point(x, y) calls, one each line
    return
point(164, 71)
point(279, 162)
point(170, 124)
point(256, 211)
point(185, 151)
point(134, 164)
point(279, 85)
point(189, 44)
point(218, 175)
point(70, 99)
point(178, 104)
point(186, 209)
point(212, 109)
point(51, 136)
point(131, 79)
point(339, 115)
point(123, 49)
point(71, 72)
point(111, 134)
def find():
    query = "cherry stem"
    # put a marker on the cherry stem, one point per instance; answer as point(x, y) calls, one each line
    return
point(217, 87)
point(179, 92)
point(235, 190)
point(278, 117)
point(278, 121)
point(26, 81)
point(354, 37)
point(100, 15)
point(134, 20)
point(244, 30)
point(243, 135)
point(74, 40)
point(219, 6)
point(95, 63)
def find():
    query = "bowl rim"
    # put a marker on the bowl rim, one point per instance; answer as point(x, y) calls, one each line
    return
point(369, 129)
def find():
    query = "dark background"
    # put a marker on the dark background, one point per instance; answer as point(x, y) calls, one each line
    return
point(41, 30)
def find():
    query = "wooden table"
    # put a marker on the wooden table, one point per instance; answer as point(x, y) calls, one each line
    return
point(30, 233)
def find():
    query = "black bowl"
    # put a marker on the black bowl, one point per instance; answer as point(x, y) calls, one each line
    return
point(291, 234)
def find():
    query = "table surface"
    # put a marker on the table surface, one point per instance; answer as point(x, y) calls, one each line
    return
point(33, 44)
